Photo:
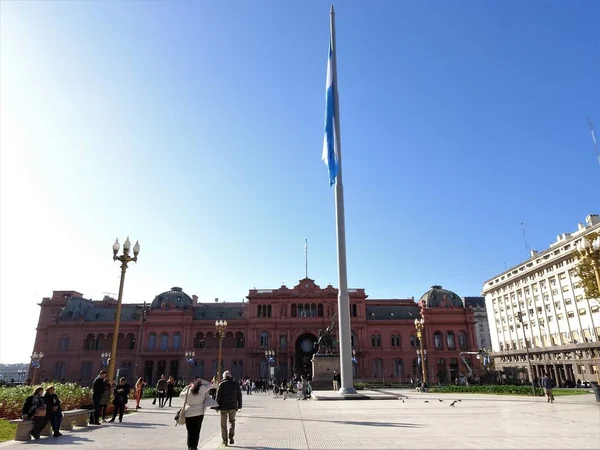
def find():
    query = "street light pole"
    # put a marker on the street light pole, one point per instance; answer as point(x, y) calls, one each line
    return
point(35, 363)
point(520, 319)
point(125, 258)
point(270, 355)
point(221, 325)
point(189, 358)
point(420, 325)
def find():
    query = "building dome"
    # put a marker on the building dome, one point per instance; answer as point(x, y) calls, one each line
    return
point(437, 297)
point(175, 298)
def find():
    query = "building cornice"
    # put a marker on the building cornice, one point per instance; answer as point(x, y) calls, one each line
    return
point(561, 249)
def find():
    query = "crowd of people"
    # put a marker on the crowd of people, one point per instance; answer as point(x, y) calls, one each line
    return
point(224, 396)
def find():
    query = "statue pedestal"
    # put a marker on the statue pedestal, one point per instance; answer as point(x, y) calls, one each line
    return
point(322, 371)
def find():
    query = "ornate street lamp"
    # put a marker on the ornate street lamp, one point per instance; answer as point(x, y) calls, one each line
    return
point(105, 359)
point(35, 363)
point(419, 326)
point(189, 359)
point(125, 259)
point(221, 326)
point(270, 355)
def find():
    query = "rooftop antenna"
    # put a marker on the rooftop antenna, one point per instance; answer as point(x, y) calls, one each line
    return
point(305, 257)
point(591, 125)
point(525, 239)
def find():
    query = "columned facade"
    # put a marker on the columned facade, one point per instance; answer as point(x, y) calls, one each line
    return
point(74, 332)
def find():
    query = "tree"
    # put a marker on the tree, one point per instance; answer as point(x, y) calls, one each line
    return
point(585, 271)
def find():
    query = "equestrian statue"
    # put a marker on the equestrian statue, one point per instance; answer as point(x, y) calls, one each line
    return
point(326, 344)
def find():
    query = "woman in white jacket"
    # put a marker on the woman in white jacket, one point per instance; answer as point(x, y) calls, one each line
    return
point(194, 410)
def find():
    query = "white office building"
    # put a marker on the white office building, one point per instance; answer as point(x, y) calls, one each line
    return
point(560, 327)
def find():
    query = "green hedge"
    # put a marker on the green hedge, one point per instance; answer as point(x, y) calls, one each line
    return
point(489, 389)
point(12, 398)
point(151, 392)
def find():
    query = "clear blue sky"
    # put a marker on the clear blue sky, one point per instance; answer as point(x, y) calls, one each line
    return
point(197, 127)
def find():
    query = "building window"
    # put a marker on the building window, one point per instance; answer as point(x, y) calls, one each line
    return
point(282, 342)
point(151, 342)
point(60, 370)
point(462, 340)
point(437, 340)
point(398, 369)
point(395, 340)
point(354, 310)
point(199, 340)
point(376, 340)
point(264, 339)
point(63, 343)
point(86, 370)
point(377, 368)
point(176, 341)
point(239, 340)
point(164, 342)
point(450, 339)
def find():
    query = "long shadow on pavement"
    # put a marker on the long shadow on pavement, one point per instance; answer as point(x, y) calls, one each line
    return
point(65, 439)
point(266, 448)
point(346, 422)
point(138, 425)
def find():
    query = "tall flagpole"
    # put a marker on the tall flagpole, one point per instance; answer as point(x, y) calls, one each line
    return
point(347, 386)
point(306, 258)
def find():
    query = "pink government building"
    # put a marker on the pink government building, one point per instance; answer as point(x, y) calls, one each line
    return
point(74, 332)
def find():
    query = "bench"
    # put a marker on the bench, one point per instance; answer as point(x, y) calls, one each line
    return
point(78, 416)
point(24, 428)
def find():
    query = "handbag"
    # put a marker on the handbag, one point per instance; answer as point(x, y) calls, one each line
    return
point(180, 416)
point(40, 412)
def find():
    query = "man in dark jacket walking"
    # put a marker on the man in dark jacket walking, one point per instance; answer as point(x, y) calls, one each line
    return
point(547, 384)
point(229, 398)
point(98, 391)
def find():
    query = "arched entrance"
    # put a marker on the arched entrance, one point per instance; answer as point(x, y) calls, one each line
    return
point(305, 349)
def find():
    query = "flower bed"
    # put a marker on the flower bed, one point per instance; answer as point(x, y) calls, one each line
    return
point(12, 398)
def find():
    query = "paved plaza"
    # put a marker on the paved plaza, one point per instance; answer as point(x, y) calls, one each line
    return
point(420, 421)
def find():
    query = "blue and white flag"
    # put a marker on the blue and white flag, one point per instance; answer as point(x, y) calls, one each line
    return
point(330, 150)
